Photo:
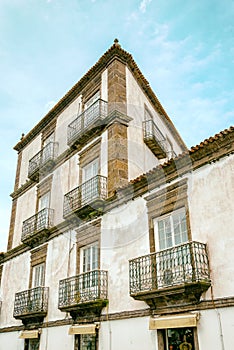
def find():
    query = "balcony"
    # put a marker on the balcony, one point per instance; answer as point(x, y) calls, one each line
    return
point(174, 276)
point(37, 226)
point(154, 139)
point(31, 305)
point(43, 161)
point(84, 294)
point(86, 199)
point(90, 122)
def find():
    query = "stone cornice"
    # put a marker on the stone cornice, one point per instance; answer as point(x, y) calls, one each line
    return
point(203, 305)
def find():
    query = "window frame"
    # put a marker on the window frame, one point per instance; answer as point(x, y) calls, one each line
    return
point(38, 278)
point(87, 247)
point(170, 216)
point(28, 346)
point(78, 339)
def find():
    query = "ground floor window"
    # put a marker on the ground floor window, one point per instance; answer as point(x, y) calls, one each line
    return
point(85, 342)
point(32, 344)
point(176, 339)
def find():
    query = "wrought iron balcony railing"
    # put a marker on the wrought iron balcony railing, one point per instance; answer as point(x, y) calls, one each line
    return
point(41, 221)
point(91, 118)
point(43, 160)
point(183, 264)
point(31, 302)
point(92, 192)
point(89, 287)
point(154, 139)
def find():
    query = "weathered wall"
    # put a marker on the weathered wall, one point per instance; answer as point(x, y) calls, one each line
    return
point(64, 119)
point(141, 158)
point(61, 263)
point(26, 207)
point(28, 152)
point(15, 278)
point(211, 209)
point(124, 236)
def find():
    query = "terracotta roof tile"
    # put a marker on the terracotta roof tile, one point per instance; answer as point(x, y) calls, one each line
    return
point(204, 144)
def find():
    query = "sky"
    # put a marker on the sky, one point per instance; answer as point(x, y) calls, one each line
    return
point(184, 48)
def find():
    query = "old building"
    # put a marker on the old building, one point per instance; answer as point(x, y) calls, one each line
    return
point(120, 237)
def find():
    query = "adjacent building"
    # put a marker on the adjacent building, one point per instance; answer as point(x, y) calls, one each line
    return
point(120, 237)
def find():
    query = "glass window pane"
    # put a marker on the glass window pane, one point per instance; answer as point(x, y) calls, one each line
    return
point(87, 342)
point(180, 338)
point(38, 275)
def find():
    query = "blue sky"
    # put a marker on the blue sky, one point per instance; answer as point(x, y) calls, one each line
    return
point(184, 48)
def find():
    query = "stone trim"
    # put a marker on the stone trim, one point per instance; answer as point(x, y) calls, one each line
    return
point(18, 169)
point(86, 235)
point(90, 154)
point(1, 268)
point(117, 92)
point(12, 224)
point(38, 255)
point(117, 157)
point(203, 305)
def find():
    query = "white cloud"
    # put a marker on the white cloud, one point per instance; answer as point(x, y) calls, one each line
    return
point(143, 5)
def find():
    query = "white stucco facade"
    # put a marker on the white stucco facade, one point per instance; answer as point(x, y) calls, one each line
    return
point(105, 232)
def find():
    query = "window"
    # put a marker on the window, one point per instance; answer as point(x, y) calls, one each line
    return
point(47, 152)
point(172, 264)
point(49, 139)
point(38, 267)
point(92, 99)
point(85, 342)
point(43, 216)
point(171, 230)
point(38, 275)
point(44, 201)
point(32, 344)
point(179, 339)
point(148, 115)
point(89, 257)
point(90, 170)
point(89, 265)
point(90, 187)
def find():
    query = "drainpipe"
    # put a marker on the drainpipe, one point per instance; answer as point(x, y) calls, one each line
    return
point(219, 320)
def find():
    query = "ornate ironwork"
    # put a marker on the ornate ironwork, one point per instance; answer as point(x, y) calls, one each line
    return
point(84, 288)
point(154, 138)
point(31, 301)
point(186, 263)
point(91, 117)
point(86, 193)
point(43, 220)
point(42, 159)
